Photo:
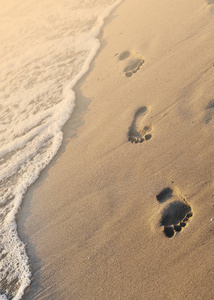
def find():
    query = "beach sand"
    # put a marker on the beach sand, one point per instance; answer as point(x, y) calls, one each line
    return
point(93, 222)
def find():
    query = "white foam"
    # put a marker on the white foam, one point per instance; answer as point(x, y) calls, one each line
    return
point(45, 49)
point(3, 297)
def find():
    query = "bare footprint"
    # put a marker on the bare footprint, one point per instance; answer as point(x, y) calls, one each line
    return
point(176, 213)
point(134, 63)
point(139, 133)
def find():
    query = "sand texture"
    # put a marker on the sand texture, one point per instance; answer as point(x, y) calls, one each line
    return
point(124, 210)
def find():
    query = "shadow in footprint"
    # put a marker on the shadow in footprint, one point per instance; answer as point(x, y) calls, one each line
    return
point(169, 231)
point(164, 195)
point(124, 55)
point(136, 133)
point(174, 213)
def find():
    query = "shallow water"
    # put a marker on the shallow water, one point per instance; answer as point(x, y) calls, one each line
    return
point(46, 47)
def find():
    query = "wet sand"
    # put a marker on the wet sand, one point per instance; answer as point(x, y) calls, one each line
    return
point(107, 219)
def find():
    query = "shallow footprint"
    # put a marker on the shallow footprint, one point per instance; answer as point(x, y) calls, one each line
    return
point(139, 133)
point(133, 66)
point(134, 63)
point(176, 213)
point(209, 112)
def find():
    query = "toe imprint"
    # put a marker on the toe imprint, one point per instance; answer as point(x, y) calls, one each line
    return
point(169, 231)
point(177, 228)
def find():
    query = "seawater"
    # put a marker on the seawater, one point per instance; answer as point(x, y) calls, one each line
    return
point(46, 46)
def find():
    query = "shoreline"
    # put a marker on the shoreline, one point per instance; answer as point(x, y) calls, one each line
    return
point(69, 130)
point(96, 234)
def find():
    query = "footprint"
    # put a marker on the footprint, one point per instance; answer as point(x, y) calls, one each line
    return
point(176, 213)
point(134, 63)
point(139, 133)
point(209, 112)
point(210, 2)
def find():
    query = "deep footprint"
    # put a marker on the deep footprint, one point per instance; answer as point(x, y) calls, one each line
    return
point(138, 133)
point(176, 214)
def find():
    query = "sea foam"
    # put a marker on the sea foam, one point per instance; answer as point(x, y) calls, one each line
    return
point(45, 49)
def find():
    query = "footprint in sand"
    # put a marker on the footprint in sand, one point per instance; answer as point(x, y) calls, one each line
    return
point(209, 112)
point(138, 133)
point(134, 62)
point(176, 213)
point(210, 2)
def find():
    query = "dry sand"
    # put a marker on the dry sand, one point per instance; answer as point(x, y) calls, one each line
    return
point(91, 223)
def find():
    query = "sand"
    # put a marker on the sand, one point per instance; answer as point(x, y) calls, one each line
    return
point(93, 223)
